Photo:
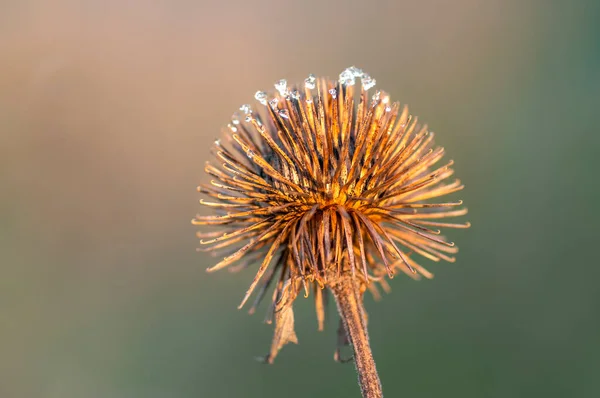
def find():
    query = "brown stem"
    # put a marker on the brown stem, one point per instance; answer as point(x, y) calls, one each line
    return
point(350, 307)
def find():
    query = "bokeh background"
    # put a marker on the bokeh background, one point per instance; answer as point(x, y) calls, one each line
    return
point(107, 111)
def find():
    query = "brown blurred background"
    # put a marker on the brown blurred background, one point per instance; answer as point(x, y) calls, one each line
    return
point(107, 111)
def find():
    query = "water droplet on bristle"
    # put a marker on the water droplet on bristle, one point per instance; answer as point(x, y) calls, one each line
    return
point(310, 81)
point(235, 119)
point(357, 72)
point(376, 96)
point(284, 113)
point(295, 94)
point(333, 93)
point(281, 86)
point(247, 109)
point(250, 154)
point(367, 81)
point(261, 97)
point(347, 78)
point(274, 103)
point(349, 75)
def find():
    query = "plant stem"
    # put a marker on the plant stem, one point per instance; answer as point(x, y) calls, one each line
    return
point(348, 299)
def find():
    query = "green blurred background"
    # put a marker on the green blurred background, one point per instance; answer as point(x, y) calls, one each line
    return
point(107, 111)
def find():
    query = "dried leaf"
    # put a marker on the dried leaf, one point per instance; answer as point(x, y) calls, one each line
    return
point(342, 341)
point(284, 324)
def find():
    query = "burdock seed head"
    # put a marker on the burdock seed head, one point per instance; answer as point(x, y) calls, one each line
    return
point(327, 187)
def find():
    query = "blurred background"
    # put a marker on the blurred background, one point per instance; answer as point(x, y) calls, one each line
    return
point(107, 111)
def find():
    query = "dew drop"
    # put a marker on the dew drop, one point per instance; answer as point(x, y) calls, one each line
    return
point(235, 119)
point(376, 96)
point(295, 94)
point(261, 97)
point(349, 75)
point(281, 86)
point(284, 113)
point(274, 103)
point(218, 142)
point(356, 71)
point(333, 93)
point(347, 78)
point(250, 154)
point(310, 81)
point(367, 81)
point(232, 127)
point(247, 109)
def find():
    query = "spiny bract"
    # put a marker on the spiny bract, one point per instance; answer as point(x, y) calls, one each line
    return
point(319, 180)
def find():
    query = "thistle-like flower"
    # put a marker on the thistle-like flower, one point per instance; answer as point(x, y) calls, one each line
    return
point(327, 188)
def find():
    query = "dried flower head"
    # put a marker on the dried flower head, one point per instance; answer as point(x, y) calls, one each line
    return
point(327, 188)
